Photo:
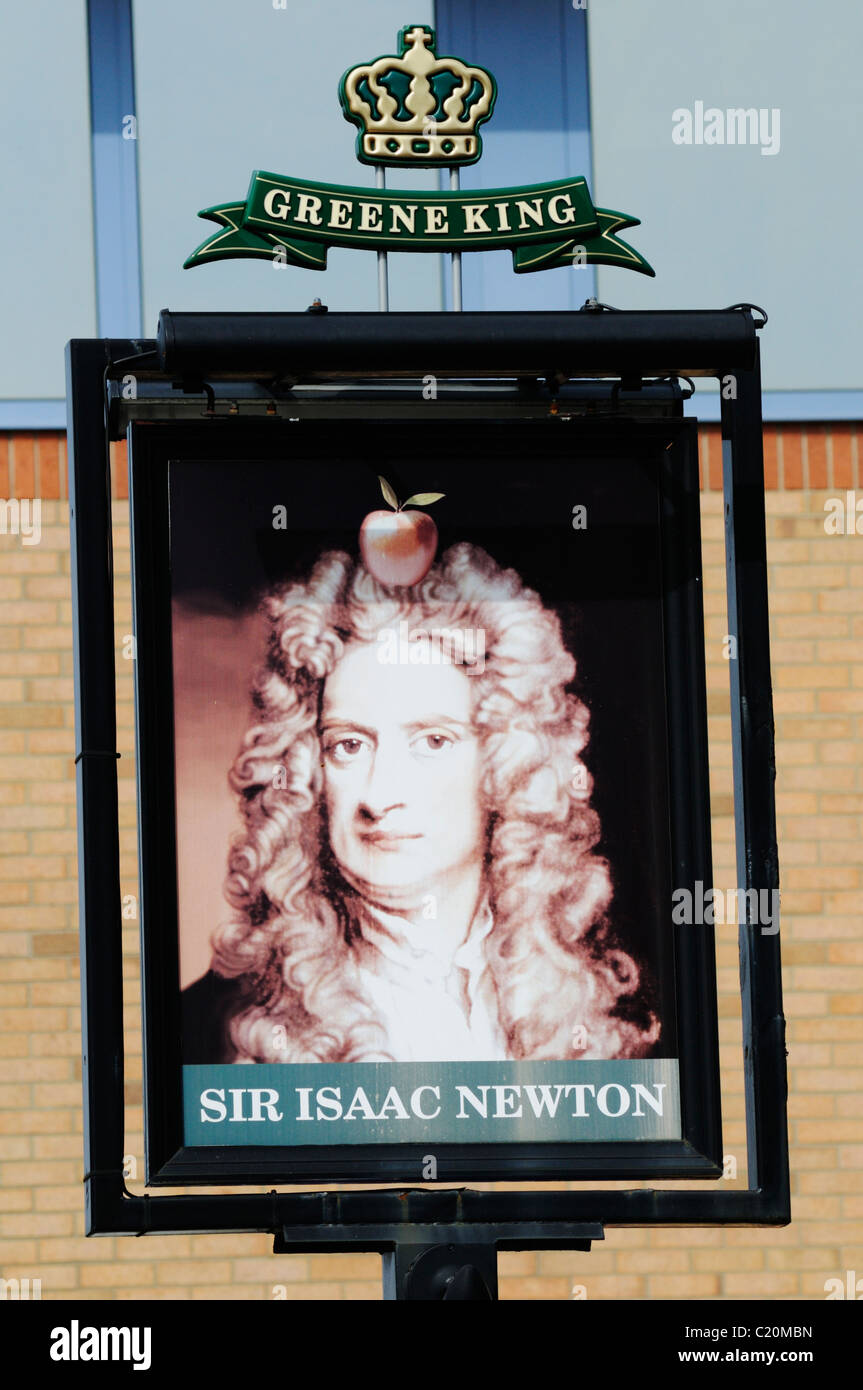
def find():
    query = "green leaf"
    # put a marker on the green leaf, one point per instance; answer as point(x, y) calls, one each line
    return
point(423, 499)
point(389, 495)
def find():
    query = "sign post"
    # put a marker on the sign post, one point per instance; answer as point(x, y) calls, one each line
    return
point(421, 738)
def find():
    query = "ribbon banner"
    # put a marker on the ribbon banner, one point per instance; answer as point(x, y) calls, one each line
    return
point(294, 222)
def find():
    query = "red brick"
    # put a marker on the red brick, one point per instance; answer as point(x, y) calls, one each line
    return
point(119, 471)
point(771, 457)
point(792, 457)
point(843, 471)
point(816, 442)
point(48, 448)
point(23, 465)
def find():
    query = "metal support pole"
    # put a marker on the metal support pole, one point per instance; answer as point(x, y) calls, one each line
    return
point(431, 1272)
point(438, 1259)
point(455, 185)
point(383, 272)
point(96, 776)
point(754, 778)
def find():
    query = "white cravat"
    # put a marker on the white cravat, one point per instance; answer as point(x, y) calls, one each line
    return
point(436, 1005)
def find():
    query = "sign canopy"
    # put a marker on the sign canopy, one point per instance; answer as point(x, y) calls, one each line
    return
point(416, 109)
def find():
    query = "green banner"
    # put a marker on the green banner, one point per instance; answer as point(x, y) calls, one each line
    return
point(294, 222)
point(444, 1102)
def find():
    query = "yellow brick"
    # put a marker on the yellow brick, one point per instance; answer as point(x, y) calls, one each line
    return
point(809, 677)
point(721, 1261)
point(654, 1261)
point(797, 701)
point(788, 601)
point(77, 1249)
point(33, 560)
point(45, 689)
point(15, 1199)
point(798, 1259)
point(534, 1288)
point(56, 943)
point(136, 1293)
point(682, 1286)
point(19, 1252)
point(196, 1271)
point(56, 992)
point(33, 917)
point(48, 638)
point(843, 803)
point(29, 1224)
point(333, 1267)
point(277, 1269)
point(797, 626)
point(820, 877)
point(60, 1093)
point(39, 1020)
point(810, 576)
point(210, 1292)
point(36, 586)
point(15, 742)
point(755, 1285)
point(828, 977)
point(61, 890)
point(840, 701)
point(829, 1182)
point(60, 1200)
point(51, 741)
point(52, 792)
point(846, 1003)
point(17, 1146)
point(29, 611)
point(115, 1275)
point(831, 1028)
point(811, 1208)
point(31, 817)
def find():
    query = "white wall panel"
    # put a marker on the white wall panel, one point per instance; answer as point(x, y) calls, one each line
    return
point(46, 231)
point(724, 223)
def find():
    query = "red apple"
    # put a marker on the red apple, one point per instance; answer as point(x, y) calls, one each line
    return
point(399, 547)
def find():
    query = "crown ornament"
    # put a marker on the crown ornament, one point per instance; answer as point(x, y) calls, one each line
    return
point(416, 109)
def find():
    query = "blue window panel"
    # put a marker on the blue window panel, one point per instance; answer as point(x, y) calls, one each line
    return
point(225, 87)
point(115, 168)
point(540, 130)
point(787, 406)
point(33, 415)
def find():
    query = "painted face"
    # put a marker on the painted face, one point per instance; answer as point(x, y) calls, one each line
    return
point(401, 774)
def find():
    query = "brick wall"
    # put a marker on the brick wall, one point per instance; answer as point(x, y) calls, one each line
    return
point(816, 596)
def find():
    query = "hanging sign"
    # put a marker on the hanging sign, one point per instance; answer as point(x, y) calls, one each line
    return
point(423, 769)
point(418, 110)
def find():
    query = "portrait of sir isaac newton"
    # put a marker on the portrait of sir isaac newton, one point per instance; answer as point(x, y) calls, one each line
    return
point(416, 875)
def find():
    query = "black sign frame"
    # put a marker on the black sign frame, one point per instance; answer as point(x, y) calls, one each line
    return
point(556, 348)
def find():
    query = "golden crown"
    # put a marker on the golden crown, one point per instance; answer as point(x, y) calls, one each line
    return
point(415, 107)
